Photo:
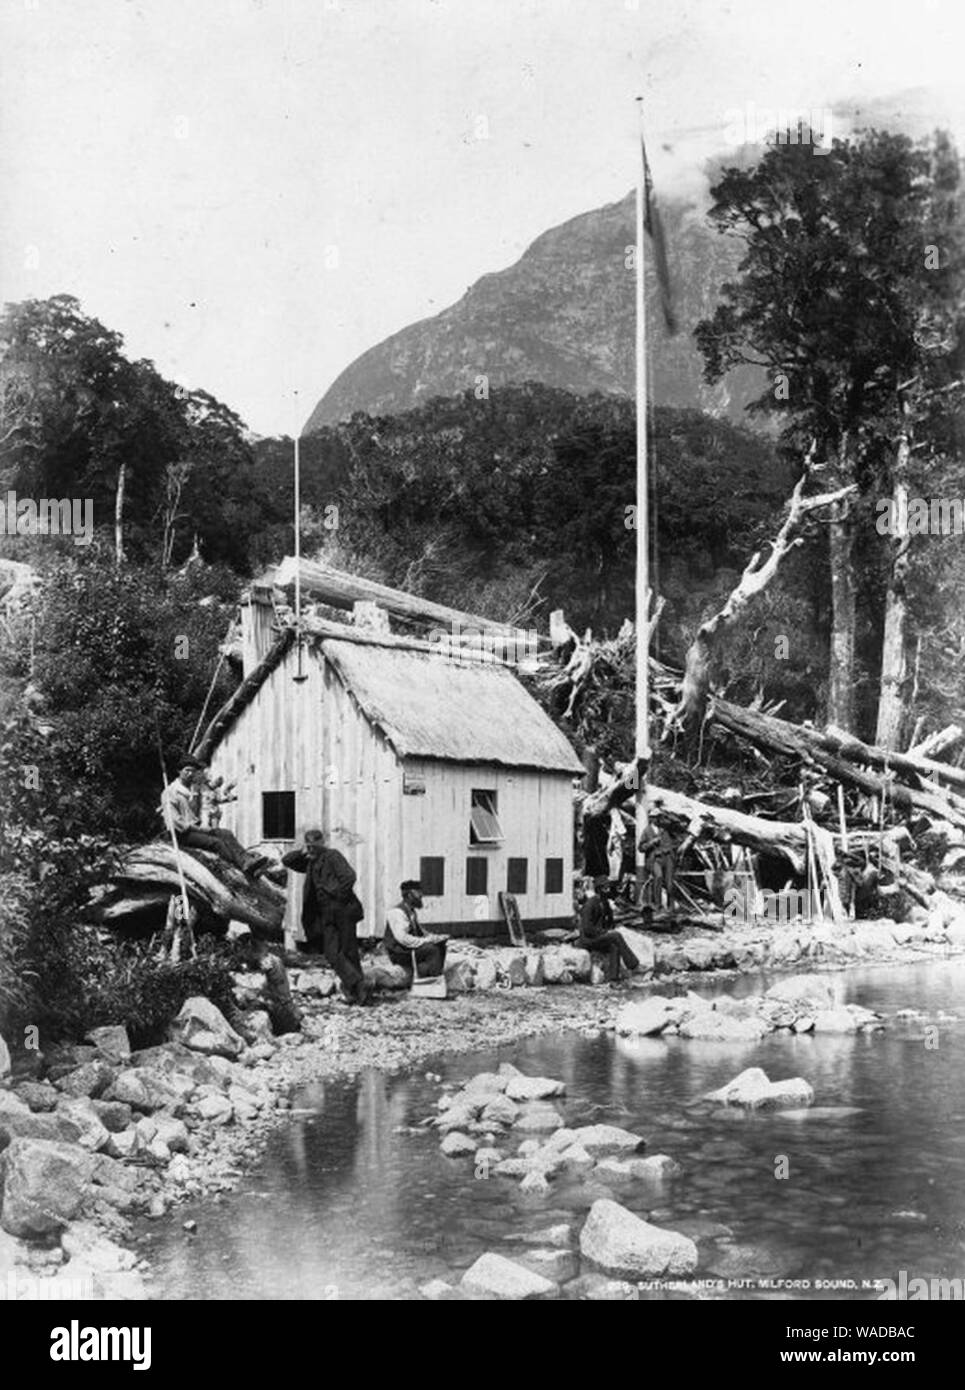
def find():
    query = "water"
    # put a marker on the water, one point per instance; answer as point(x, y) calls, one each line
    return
point(343, 1205)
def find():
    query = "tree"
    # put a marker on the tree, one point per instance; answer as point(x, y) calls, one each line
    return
point(841, 300)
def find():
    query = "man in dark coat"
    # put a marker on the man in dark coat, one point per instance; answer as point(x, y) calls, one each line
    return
point(598, 933)
point(330, 910)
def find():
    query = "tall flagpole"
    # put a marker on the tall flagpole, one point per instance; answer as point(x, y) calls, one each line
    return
point(299, 673)
point(642, 742)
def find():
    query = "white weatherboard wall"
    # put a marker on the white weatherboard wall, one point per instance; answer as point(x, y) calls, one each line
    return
point(535, 811)
point(311, 738)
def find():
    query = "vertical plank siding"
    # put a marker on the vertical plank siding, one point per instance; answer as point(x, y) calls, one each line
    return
point(311, 738)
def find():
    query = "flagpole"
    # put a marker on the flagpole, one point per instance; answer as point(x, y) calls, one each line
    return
point(299, 673)
point(642, 740)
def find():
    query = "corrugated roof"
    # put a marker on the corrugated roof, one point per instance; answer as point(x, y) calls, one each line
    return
point(429, 706)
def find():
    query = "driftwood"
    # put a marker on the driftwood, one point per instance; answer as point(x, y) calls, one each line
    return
point(211, 883)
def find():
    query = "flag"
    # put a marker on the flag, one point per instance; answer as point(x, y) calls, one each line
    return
point(654, 227)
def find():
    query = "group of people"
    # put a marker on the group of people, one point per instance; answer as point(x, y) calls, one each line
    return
point(331, 910)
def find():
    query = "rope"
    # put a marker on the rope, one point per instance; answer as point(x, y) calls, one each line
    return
point(207, 698)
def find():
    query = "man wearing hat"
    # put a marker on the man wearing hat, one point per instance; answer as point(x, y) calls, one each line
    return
point(403, 935)
point(181, 810)
point(598, 932)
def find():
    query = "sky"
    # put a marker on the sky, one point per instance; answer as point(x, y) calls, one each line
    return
point(253, 192)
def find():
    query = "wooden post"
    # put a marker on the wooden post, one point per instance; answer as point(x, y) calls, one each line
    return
point(642, 742)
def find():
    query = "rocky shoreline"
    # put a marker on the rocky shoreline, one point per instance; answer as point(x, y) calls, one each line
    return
point(99, 1137)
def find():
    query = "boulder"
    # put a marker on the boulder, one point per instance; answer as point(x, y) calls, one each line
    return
point(499, 1110)
point(38, 1095)
point(499, 1278)
point(173, 1133)
point(51, 1126)
point(143, 1089)
point(806, 992)
point(123, 1144)
point(65, 1057)
point(12, 1104)
point(487, 974)
point(533, 963)
point(753, 1090)
point(535, 1183)
point(112, 1041)
point(91, 1079)
point(5, 1062)
point(78, 1110)
point(457, 1145)
point(711, 1026)
point(202, 1027)
point(558, 1237)
point(114, 1115)
point(511, 964)
point(577, 1158)
point(459, 1116)
point(618, 1243)
point(538, 1115)
point(459, 975)
point(599, 1140)
point(217, 1109)
point(701, 954)
point(552, 1263)
point(839, 1020)
point(534, 1088)
point(45, 1184)
point(645, 1019)
point(484, 1083)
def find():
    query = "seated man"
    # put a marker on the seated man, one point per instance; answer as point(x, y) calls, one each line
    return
point(403, 935)
point(598, 933)
point(181, 810)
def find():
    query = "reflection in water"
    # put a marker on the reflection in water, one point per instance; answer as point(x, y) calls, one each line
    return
point(344, 1204)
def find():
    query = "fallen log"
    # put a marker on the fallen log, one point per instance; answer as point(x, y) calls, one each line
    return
point(787, 838)
point(211, 883)
point(941, 741)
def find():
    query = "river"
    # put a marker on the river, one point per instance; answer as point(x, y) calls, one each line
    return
point(347, 1203)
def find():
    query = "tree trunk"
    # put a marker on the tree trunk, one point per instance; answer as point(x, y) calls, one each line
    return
point(841, 677)
point(894, 664)
point(119, 514)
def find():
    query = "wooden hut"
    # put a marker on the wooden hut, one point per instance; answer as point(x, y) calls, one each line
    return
point(415, 763)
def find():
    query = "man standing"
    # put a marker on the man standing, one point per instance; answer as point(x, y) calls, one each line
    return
point(598, 933)
point(330, 910)
point(181, 810)
point(403, 935)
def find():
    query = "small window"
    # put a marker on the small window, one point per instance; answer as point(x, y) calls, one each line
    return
point(516, 873)
point(278, 815)
point(554, 875)
point(477, 877)
point(432, 876)
point(484, 827)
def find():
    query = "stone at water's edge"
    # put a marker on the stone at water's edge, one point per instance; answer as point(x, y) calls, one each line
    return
point(811, 992)
point(616, 1242)
point(45, 1184)
point(455, 1144)
point(202, 1026)
point(534, 1088)
point(608, 1139)
point(835, 1021)
point(500, 1278)
point(753, 1090)
point(644, 1019)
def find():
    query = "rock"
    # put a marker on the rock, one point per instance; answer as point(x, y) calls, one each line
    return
point(753, 1090)
point(645, 1019)
point(807, 992)
point(487, 975)
point(79, 1111)
point(67, 1057)
point(516, 1167)
point(438, 1291)
point(608, 1139)
point(143, 1089)
point(202, 1026)
point(459, 975)
point(57, 1128)
point(497, 1277)
point(564, 964)
point(711, 1026)
point(258, 1023)
point(38, 1095)
point(499, 1110)
point(558, 1237)
point(670, 959)
point(512, 966)
point(597, 974)
point(577, 1157)
point(534, 1088)
point(596, 1288)
point(701, 954)
point(616, 1242)
point(533, 963)
point(84, 1242)
point(537, 1115)
point(217, 1109)
point(783, 947)
point(5, 1063)
point(457, 1117)
point(455, 1144)
point(11, 1104)
point(123, 1144)
point(112, 1041)
point(114, 1115)
point(173, 1133)
point(804, 1024)
point(555, 1264)
point(535, 1183)
point(44, 1186)
point(529, 1147)
point(839, 1020)
point(643, 948)
point(657, 1166)
point(483, 1084)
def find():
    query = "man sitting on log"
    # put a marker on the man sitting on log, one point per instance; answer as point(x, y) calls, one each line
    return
point(331, 910)
point(404, 935)
point(181, 809)
point(598, 933)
